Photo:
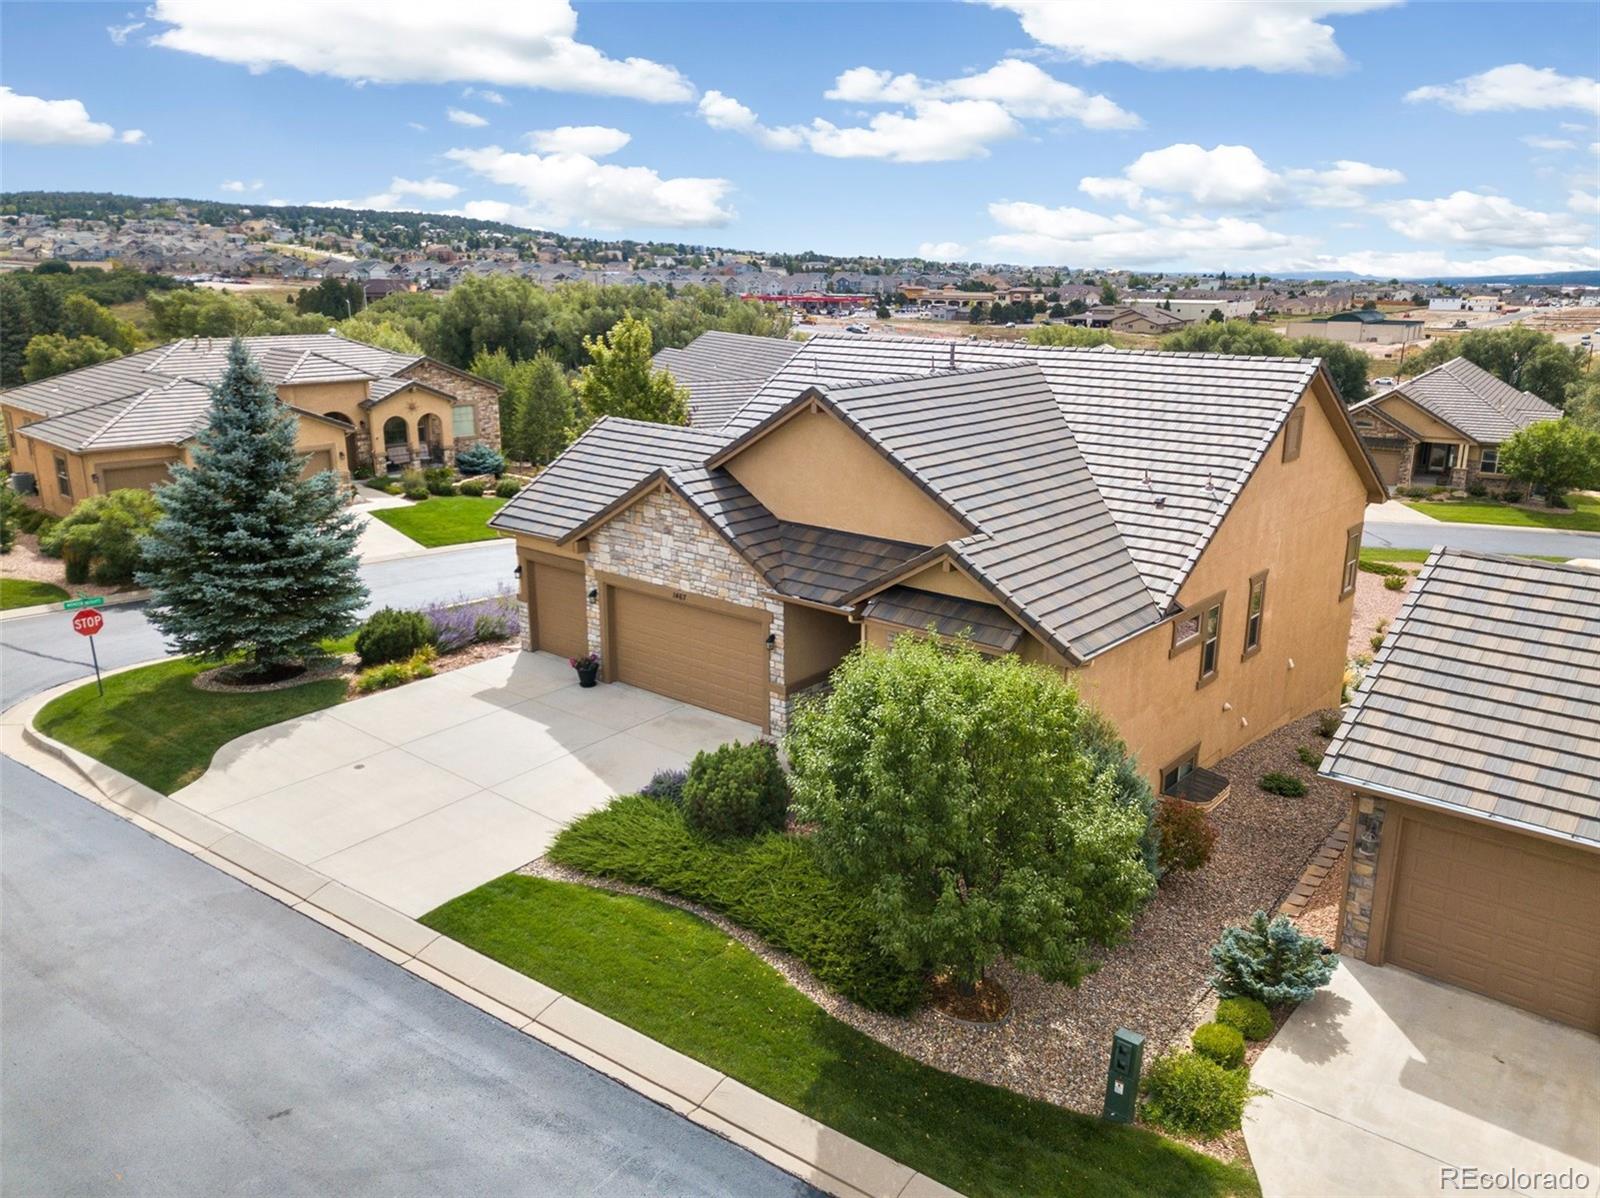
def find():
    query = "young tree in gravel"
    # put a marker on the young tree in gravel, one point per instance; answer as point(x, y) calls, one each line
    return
point(1553, 457)
point(248, 557)
point(620, 381)
point(973, 804)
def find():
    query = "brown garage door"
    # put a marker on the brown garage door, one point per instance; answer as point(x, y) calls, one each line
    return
point(116, 478)
point(560, 624)
point(1388, 463)
point(701, 656)
point(317, 461)
point(1500, 913)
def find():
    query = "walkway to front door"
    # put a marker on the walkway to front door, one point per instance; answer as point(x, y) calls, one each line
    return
point(418, 794)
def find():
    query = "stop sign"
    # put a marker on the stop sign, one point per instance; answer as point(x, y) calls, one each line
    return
point(87, 623)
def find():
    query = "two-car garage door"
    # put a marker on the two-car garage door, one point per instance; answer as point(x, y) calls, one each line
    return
point(711, 657)
point(1496, 911)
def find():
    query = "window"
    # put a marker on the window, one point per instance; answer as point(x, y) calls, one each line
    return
point(1491, 460)
point(463, 422)
point(63, 479)
point(1293, 431)
point(1179, 770)
point(1254, 610)
point(1210, 640)
point(1352, 561)
point(1185, 630)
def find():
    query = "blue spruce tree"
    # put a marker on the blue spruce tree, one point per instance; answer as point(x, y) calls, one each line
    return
point(248, 557)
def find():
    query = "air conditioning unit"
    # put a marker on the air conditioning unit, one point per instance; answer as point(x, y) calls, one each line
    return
point(24, 484)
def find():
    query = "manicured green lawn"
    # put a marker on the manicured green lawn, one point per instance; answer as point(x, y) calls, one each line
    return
point(682, 982)
point(24, 592)
point(1584, 516)
point(1418, 556)
point(444, 519)
point(154, 726)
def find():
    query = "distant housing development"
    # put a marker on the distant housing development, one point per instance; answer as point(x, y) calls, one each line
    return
point(125, 422)
point(1114, 514)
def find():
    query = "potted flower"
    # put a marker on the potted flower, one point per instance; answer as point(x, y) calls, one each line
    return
point(588, 667)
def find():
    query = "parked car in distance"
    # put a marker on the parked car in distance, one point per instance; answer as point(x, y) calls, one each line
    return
point(1385, 381)
point(856, 328)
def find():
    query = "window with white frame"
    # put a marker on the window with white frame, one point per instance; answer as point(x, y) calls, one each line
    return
point(1490, 462)
point(463, 421)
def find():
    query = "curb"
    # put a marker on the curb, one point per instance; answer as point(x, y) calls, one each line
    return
point(780, 1135)
point(436, 549)
point(39, 609)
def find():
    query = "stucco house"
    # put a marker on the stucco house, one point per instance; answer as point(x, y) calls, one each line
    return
point(1178, 532)
point(1471, 751)
point(1445, 426)
point(123, 423)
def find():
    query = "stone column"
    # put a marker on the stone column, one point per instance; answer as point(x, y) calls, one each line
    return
point(1364, 846)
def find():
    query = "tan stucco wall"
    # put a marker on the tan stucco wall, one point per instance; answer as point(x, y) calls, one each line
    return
point(1291, 519)
point(815, 470)
point(410, 405)
point(1417, 420)
point(322, 398)
point(945, 580)
point(313, 435)
point(816, 641)
point(467, 389)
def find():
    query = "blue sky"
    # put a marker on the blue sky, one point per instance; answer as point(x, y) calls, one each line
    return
point(1387, 138)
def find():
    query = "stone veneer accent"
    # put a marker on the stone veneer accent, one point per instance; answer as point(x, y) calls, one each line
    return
point(661, 540)
point(1364, 846)
point(466, 389)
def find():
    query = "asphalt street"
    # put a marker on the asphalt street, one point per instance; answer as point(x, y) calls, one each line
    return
point(1526, 541)
point(39, 652)
point(168, 1031)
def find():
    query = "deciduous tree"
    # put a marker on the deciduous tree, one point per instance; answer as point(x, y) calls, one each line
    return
point(620, 380)
point(1553, 457)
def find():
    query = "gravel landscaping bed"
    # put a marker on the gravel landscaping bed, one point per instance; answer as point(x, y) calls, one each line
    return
point(1321, 916)
point(26, 562)
point(1055, 1043)
point(1374, 602)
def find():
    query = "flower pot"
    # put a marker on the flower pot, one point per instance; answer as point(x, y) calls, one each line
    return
point(587, 674)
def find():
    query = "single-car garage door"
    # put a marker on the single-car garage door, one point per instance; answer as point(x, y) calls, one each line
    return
point(555, 589)
point(1388, 462)
point(317, 461)
point(116, 478)
point(1498, 912)
point(710, 658)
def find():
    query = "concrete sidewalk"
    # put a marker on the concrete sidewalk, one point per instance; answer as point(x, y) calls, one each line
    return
point(794, 1142)
point(1386, 1078)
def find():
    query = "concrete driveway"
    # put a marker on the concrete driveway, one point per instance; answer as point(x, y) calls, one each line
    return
point(1386, 1080)
point(415, 795)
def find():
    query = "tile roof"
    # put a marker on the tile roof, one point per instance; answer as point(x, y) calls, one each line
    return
point(722, 371)
point(909, 607)
point(612, 458)
point(1469, 398)
point(162, 396)
point(1187, 429)
point(1486, 696)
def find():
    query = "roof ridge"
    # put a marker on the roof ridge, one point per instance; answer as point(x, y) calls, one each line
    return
point(1001, 343)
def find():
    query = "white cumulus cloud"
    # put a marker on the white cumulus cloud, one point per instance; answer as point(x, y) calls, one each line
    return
point(428, 189)
point(239, 185)
point(1472, 218)
point(1539, 141)
point(533, 44)
point(119, 34)
point(1021, 88)
point(1266, 35)
point(41, 122)
point(942, 251)
point(573, 189)
point(1514, 86)
point(1235, 177)
point(460, 116)
point(487, 95)
point(932, 131)
point(595, 141)
point(1074, 236)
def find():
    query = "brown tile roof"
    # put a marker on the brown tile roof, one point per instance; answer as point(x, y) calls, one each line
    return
point(1485, 697)
point(1469, 398)
point(908, 607)
point(722, 371)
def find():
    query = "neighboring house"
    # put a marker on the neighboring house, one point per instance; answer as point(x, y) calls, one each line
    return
point(1123, 318)
point(1364, 324)
point(1117, 515)
point(722, 371)
point(125, 422)
point(1472, 751)
point(1445, 426)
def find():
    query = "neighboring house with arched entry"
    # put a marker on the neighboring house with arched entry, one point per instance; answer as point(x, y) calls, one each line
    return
point(125, 422)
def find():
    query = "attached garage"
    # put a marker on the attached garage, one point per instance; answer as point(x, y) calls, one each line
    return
point(1471, 752)
point(1495, 911)
point(557, 605)
point(140, 476)
point(317, 461)
point(713, 656)
point(1389, 462)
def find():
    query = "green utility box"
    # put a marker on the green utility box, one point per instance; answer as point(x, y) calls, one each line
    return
point(1122, 1079)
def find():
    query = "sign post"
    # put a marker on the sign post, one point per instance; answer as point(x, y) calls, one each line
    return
point(86, 622)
